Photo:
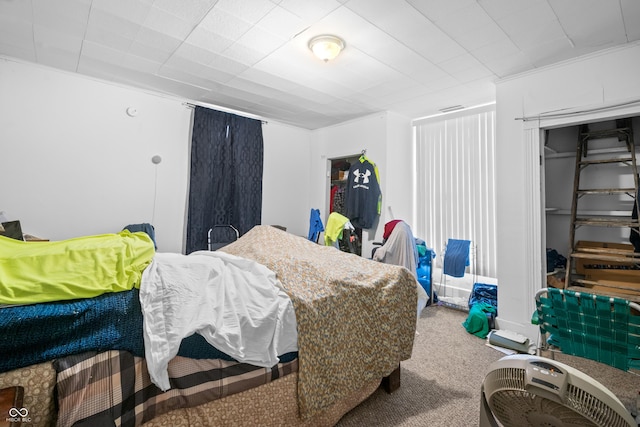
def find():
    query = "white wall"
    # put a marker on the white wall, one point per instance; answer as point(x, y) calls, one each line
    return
point(286, 184)
point(399, 203)
point(603, 79)
point(73, 163)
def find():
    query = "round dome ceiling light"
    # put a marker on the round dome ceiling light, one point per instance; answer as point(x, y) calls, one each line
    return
point(326, 47)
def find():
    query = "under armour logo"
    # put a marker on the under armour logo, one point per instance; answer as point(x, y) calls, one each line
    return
point(365, 176)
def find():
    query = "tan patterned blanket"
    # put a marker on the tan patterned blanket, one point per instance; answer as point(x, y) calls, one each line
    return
point(356, 317)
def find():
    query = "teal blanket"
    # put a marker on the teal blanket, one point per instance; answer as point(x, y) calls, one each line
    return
point(477, 322)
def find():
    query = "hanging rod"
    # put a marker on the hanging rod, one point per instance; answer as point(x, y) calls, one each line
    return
point(190, 105)
point(576, 112)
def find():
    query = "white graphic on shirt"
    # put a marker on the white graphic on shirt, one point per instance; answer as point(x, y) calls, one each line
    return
point(365, 176)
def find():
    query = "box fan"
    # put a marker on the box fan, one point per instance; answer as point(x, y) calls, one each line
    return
point(526, 390)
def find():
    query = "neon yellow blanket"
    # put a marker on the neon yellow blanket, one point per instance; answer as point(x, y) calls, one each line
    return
point(83, 267)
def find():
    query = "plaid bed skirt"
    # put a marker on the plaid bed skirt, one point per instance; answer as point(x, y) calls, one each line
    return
point(114, 386)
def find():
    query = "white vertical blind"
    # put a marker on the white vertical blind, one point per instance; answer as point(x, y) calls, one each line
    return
point(455, 184)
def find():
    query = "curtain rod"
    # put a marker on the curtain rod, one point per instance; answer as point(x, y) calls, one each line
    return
point(577, 112)
point(190, 105)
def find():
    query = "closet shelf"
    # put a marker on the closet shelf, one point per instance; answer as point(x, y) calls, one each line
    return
point(628, 258)
point(607, 191)
point(588, 213)
point(601, 151)
point(607, 222)
point(625, 160)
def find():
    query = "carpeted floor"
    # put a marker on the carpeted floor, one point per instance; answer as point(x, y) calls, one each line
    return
point(440, 384)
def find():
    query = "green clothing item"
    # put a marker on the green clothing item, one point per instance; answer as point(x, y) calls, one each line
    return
point(335, 226)
point(84, 267)
point(477, 322)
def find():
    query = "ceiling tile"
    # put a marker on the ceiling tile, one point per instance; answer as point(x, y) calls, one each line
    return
point(437, 10)
point(16, 33)
point(102, 52)
point(465, 68)
point(589, 22)
point(217, 69)
point(401, 21)
point(58, 58)
point(195, 53)
point(631, 18)
point(501, 9)
point(22, 53)
point(184, 75)
point(142, 65)
point(69, 17)
point(19, 10)
point(548, 52)
point(46, 38)
point(192, 11)
point(207, 40)
point(506, 65)
point(282, 23)
point(243, 54)
point(482, 36)
point(286, 85)
point(310, 10)
point(156, 40)
point(131, 10)
point(499, 49)
point(225, 24)
point(250, 11)
point(171, 25)
point(260, 40)
point(152, 82)
point(148, 51)
point(464, 21)
point(110, 30)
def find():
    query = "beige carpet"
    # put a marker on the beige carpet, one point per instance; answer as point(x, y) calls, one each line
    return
point(440, 384)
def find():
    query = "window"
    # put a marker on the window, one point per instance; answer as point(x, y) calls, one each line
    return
point(455, 183)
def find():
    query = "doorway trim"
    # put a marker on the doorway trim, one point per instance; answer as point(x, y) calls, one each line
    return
point(533, 136)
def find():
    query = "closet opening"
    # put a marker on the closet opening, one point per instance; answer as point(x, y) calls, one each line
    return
point(337, 175)
point(605, 193)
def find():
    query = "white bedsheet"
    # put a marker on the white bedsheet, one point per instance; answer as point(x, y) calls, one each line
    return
point(236, 304)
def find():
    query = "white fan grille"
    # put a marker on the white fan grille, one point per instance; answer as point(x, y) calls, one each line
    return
point(514, 406)
point(593, 408)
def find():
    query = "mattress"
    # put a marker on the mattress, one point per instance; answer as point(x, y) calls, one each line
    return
point(356, 317)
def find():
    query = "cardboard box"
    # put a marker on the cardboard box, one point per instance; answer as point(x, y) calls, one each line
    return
point(620, 249)
point(614, 281)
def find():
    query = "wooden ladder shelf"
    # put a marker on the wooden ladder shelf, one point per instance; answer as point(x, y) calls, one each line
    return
point(605, 268)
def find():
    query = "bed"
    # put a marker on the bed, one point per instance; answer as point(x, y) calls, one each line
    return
point(82, 361)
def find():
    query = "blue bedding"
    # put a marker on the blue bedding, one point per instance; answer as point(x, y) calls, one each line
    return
point(40, 332)
point(37, 333)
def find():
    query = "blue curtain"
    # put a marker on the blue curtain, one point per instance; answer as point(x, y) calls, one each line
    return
point(226, 174)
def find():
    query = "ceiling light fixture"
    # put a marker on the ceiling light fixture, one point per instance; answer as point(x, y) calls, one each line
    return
point(326, 46)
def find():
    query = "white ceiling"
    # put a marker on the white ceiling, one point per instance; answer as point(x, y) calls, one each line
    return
point(413, 57)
